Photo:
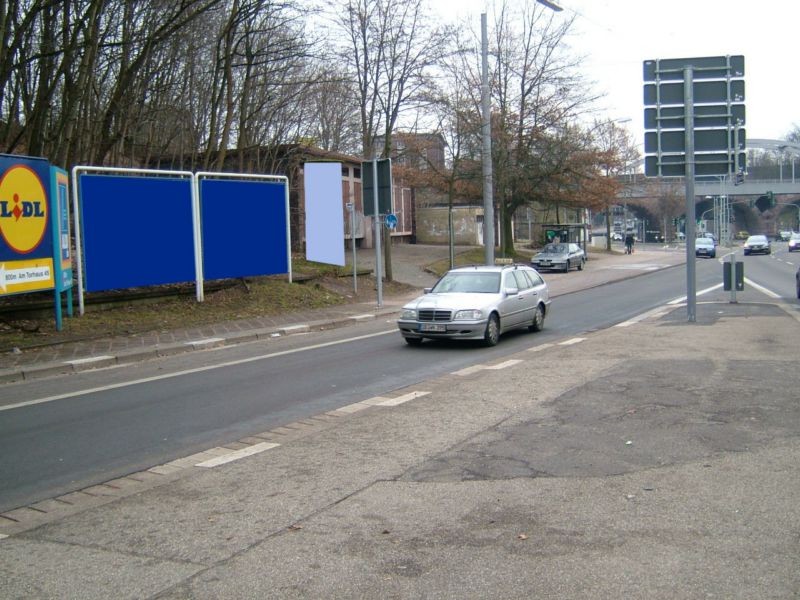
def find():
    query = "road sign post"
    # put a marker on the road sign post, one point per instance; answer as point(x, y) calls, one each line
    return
point(694, 120)
point(376, 193)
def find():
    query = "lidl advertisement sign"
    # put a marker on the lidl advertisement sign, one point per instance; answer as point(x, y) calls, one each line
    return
point(26, 243)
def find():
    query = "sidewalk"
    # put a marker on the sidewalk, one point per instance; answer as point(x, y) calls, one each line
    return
point(90, 354)
point(664, 464)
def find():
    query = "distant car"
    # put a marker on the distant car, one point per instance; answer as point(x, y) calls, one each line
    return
point(757, 243)
point(477, 303)
point(705, 247)
point(680, 235)
point(709, 235)
point(794, 242)
point(616, 236)
point(785, 235)
point(562, 256)
point(742, 235)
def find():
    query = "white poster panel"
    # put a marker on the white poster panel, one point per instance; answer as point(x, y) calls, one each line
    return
point(324, 213)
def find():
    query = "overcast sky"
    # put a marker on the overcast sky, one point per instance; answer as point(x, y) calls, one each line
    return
point(616, 36)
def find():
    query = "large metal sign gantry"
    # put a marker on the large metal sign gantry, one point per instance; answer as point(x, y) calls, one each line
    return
point(694, 120)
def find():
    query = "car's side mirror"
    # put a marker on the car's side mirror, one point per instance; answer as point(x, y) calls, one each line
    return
point(509, 291)
point(426, 290)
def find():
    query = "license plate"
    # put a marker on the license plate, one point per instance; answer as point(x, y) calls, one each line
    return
point(545, 263)
point(435, 327)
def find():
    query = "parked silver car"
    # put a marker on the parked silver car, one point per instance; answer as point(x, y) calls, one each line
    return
point(562, 256)
point(477, 303)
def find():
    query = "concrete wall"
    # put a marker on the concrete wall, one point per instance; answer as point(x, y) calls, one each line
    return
point(467, 225)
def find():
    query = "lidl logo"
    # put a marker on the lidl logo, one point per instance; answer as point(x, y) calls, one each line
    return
point(23, 209)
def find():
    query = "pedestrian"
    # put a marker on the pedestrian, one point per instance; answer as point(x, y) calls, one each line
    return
point(629, 243)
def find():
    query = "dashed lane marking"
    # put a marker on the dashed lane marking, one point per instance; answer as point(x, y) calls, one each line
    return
point(402, 399)
point(237, 454)
point(476, 368)
point(572, 341)
point(540, 347)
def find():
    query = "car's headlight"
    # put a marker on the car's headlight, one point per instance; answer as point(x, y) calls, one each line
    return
point(408, 313)
point(467, 315)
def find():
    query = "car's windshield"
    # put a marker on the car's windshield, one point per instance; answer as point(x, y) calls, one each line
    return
point(704, 241)
point(481, 283)
point(555, 249)
point(795, 236)
point(756, 239)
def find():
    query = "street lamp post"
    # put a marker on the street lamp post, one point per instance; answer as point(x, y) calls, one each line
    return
point(486, 131)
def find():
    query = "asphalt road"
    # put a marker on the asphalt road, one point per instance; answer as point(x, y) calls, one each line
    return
point(154, 412)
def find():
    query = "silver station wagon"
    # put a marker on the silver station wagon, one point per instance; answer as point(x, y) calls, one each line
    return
point(477, 303)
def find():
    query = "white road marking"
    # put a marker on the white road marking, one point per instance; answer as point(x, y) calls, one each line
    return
point(683, 299)
point(84, 361)
point(364, 317)
point(205, 342)
point(231, 363)
point(402, 399)
point(572, 341)
point(656, 312)
point(761, 288)
point(504, 365)
point(476, 368)
point(540, 347)
point(237, 454)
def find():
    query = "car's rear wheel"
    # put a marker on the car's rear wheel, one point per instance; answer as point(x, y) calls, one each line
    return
point(580, 265)
point(413, 341)
point(538, 320)
point(492, 334)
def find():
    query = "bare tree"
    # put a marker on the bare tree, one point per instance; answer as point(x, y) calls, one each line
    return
point(536, 93)
point(618, 156)
point(390, 48)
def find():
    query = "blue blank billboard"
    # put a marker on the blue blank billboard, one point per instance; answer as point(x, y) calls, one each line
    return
point(244, 228)
point(136, 231)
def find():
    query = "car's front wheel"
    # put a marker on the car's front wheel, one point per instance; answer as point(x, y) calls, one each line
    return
point(566, 267)
point(538, 320)
point(492, 334)
point(580, 265)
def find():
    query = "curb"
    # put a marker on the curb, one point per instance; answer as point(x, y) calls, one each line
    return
point(124, 357)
